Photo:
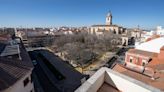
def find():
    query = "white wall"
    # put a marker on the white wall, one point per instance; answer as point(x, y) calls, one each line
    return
point(19, 85)
point(160, 31)
point(93, 83)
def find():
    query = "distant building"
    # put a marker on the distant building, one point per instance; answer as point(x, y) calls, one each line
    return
point(149, 35)
point(160, 31)
point(136, 33)
point(68, 32)
point(5, 30)
point(36, 37)
point(108, 27)
point(5, 37)
point(15, 67)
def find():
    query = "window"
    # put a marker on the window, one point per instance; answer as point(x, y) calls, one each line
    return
point(119, 32)
point(114, 31)
point(131, 60)
point(26, 81)
point(143, 63)
point(93, 29)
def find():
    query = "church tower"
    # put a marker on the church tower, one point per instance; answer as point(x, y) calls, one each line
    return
point(109, 18)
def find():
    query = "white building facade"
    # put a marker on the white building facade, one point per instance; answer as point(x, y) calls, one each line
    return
point(108, 27)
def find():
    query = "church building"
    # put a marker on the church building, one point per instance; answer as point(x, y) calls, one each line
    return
point(108, 27)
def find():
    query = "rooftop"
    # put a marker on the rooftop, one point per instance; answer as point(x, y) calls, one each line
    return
point(157, 83)
point(4, 37)
point(12, 69)
point(156, 64)
point(2, 46)
point(106, 79)
point(105, 26)
point(63, 76)
point(152, 45)
point(142, 53)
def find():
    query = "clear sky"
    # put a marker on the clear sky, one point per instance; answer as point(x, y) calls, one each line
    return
point(50, 13)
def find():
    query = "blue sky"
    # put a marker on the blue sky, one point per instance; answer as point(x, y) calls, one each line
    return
point(49, 13)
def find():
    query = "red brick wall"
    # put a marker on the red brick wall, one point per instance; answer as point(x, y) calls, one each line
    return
point(136, 60)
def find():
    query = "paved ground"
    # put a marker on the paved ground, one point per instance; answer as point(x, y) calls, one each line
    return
point(92, 68)
point(100, 62)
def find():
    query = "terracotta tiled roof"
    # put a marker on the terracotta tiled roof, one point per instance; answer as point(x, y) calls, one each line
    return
point(156, 64)
point(162, 48)
point(158, 82)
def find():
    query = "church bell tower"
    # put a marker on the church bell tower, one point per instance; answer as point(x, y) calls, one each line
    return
point(109, 18)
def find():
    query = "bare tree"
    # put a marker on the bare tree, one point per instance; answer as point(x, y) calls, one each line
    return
point(82, 48)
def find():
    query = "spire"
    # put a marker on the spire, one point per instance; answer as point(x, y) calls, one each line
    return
point(109, 13)
point(109, 18)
